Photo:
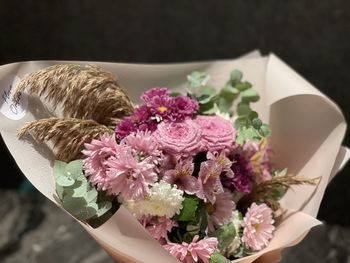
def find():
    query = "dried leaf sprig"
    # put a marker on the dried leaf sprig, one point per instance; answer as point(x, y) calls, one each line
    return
point(262, 193)
point(68, 135)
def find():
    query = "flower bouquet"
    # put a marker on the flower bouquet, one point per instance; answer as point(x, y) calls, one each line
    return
point(189, 173)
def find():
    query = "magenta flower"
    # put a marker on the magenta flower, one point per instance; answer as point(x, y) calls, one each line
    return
point(182, 177)
point(197, 251)
point(209, 179)
point(218, 133)
point(183, 107)
point(157, 226)
point(220, 212)
point(95, 164)
point(128, 177)
point(125, 127)
point(156, 92)
point(258, 227)
point(179, 138)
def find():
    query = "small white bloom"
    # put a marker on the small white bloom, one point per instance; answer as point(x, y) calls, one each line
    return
point(164, 200)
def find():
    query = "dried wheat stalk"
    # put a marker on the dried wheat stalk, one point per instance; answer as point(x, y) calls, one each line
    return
point(261, 192)
point(84, 91)
point(68, 135)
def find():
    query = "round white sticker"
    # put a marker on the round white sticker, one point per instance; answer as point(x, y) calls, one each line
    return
point(13, 110)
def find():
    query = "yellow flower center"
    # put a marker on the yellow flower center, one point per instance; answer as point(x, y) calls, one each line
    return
point(256, 226)
point(210, 208)
point(162, 108)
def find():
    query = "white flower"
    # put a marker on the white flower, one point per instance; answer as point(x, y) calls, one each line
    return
point(164, 200)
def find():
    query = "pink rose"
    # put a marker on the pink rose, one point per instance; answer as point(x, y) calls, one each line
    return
point(217, 133)
point(179, 138)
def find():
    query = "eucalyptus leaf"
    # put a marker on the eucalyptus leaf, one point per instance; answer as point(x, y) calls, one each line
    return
point(74, 169)
point(250, 95)
point(103, 207)
point(197, 79)
point(236, 76)
point(62, 180)
point(225, 235)
point(243, 109)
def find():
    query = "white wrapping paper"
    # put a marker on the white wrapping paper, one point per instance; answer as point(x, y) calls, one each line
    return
point(308, 129)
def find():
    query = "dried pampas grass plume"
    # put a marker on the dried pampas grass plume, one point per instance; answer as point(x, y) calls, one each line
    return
point(68, 135)
point(84, 91)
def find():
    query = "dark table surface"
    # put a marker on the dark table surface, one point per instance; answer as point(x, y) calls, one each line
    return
point(312, 36)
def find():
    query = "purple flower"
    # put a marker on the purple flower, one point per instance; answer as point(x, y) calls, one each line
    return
point(125, 127)
point(149, 95)
point(241, 179)
point(184, 107)
point(182, 177)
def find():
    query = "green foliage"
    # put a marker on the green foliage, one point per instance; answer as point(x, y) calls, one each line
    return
point(198, 79)
point(225, 235)
point(189, 209)
point(235, 92)
point(79, 197)
point(216, 257)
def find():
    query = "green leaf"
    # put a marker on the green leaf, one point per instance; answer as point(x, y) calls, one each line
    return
point(236, 76)
point(197, 79)
point(242, 86)
point(103, 207)
point(225, 235)
point(244, 134)
point(208, 90)
point(257, 123)
point(250, 95)
point(216, 257)
point(189, 208)
point(265, 130)
point(74, 169)
point(175, 94)
point(277, 192)
point(62, 180)
point(243, 109)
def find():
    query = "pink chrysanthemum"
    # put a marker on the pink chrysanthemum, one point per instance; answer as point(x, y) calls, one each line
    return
point(197, 251)
point(220, 212)
point(157, 226)
point(258, 227)
point(128, 176)
point(218, 133)
point(209, 179)
point(182, 177)
point(155, 92)
point(95, 164)
point(143, 143)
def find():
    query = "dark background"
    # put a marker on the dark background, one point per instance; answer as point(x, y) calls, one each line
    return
point(311, 36)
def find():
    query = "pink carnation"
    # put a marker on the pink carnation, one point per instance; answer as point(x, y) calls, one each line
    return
point(197, 251)
point(258, 227)
point(218, 134)
point(95, 164)
point(179, 138)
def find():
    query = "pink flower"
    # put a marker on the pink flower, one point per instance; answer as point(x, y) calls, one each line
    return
point(197, 251)
point(182, 177)
point(217, 133)
point(143, 143)
point(258, 227)
point(261, 162)
point(220, 212)
point(179, 138)
point(95, 164)
point(209, 179)
point(158, 227)
point(129, 177)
